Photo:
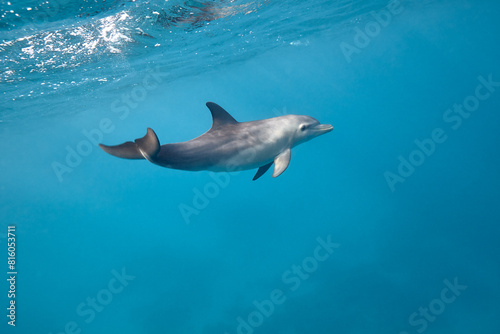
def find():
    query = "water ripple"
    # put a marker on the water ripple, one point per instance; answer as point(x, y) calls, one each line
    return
point(58, 46)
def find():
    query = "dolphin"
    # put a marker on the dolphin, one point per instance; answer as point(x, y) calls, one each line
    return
point(229, 145)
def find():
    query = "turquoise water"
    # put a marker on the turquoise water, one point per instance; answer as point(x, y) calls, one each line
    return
point(387, 224)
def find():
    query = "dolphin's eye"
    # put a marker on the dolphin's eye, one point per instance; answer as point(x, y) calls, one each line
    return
point(302, 127)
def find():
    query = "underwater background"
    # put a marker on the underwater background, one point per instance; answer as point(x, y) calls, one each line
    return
point(388, 224)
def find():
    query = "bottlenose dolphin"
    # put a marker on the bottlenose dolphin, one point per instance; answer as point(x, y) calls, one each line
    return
point(229, 145)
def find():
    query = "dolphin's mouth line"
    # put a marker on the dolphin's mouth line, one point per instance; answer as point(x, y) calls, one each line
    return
point(323, 128)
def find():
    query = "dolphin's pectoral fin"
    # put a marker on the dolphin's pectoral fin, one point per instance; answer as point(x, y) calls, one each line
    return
point(219, 116)
point(262, 170)
point(146, 147)
point(281, 162)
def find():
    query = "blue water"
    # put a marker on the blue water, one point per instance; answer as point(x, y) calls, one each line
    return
point(387, 224)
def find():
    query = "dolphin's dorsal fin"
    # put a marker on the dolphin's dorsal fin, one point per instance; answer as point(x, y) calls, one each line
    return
point(281, 162)
point(219, 116)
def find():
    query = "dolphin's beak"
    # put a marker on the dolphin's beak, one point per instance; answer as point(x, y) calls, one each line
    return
point(322, 128)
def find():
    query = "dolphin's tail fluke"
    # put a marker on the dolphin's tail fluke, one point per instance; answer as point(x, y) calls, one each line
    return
point(146, 147)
